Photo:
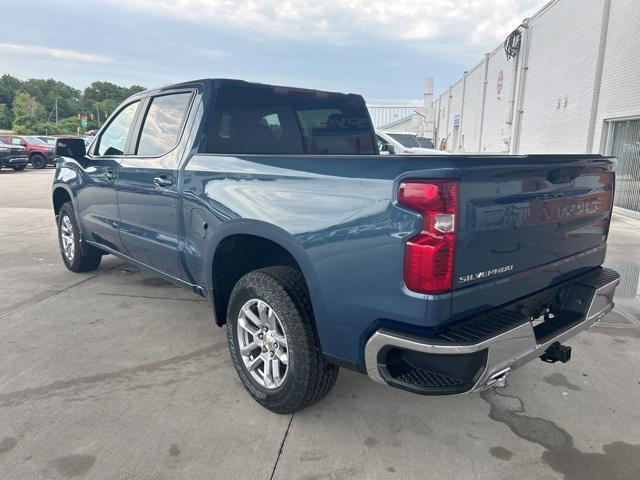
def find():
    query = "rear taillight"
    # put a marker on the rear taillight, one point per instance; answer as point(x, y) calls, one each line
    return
point(429, 255)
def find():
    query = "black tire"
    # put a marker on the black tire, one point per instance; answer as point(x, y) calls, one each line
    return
point(84, 258)
point(38, 161)
point(19, 168)
point(309, 376)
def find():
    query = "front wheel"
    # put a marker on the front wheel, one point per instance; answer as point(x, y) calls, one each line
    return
point(273, 341)
point(77, 256)
point(38, 161)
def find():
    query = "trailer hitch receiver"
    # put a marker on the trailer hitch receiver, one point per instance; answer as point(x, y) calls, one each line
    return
point(556, 353)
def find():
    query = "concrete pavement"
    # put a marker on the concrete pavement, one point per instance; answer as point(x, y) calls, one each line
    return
point(117, 374)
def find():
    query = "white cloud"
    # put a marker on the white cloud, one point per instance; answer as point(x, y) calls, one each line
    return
point(13, 49)
point(211, 54)
point(474, 22)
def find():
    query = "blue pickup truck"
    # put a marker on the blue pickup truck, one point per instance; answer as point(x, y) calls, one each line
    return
point(438, 275)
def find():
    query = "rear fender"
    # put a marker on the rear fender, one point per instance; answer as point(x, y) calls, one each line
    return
point(282, 238)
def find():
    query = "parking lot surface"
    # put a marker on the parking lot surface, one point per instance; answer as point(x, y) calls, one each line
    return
point(117, 374)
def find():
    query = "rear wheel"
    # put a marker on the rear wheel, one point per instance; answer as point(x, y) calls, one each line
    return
point(38, 161)
point(19, 168)
point(77, 256)
point(273, 341)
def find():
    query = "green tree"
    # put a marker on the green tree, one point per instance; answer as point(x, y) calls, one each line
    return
point(47, 92)
point(100, 91)
point(67, 125)
point(5, 116)
point(9, 86)
point(29, 106)
point(102, 98)
point(133, 89)
point(104, 109)
point(27, 112)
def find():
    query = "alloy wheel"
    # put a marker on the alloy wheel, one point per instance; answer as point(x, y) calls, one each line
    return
point(66, 236)
point(263, 344)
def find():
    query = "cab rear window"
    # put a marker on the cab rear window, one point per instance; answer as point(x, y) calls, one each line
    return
point(276, 120)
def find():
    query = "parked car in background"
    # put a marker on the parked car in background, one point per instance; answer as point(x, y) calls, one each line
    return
point(39, 153)
point(13, 156)
point(425, 143)
point(47, 139)
point(438, 275)
point(87, 140)
point(404, 143)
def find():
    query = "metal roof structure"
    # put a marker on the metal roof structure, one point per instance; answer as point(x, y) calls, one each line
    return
point(383, 115)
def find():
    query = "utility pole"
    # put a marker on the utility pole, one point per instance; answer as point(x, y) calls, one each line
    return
point(56, 111)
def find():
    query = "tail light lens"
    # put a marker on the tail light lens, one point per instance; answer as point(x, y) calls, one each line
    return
point(429, 256)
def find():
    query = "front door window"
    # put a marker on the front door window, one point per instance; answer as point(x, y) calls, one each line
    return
point(114, 138)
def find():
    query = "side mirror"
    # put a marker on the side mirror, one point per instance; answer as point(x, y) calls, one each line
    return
point(387, 147)
point(71, 147)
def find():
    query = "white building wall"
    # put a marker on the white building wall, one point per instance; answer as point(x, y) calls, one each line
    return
point(436, 112)
point(620, 88)
point(563, 53)
point(496, 129)
point(563, 42)
point(577, 90)
point(455, 109)
point(413, 123)
point(385, 114)
point(470, 128)
point(442, 116)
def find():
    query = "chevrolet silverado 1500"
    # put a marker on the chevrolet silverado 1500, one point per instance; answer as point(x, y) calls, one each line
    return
point(434, 274)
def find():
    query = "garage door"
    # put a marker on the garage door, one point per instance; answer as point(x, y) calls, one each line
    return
point(623, 141)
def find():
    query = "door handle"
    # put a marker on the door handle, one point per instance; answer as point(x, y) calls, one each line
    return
point(110, 175)
point(163, 181)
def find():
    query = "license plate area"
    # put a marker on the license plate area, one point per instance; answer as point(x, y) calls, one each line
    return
point(551, 325)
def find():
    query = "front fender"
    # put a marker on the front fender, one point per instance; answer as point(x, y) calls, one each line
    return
point(67, 178)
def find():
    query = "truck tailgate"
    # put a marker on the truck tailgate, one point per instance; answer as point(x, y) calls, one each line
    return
point(523, 226)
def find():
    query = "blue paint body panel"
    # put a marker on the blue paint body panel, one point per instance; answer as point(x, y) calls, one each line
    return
point(338, 217)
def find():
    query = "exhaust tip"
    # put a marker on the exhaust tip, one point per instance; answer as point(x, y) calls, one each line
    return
point(498, 379)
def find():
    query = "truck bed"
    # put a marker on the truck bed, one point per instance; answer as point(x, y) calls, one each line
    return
point(525, 223)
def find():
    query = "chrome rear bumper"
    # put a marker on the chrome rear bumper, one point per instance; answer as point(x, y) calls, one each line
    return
point(497, 349)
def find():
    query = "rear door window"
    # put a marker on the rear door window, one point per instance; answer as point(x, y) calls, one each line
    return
point(272, 120)
point(163, 124)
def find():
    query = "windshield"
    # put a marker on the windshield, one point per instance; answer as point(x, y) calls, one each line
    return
point(405, 139)
point(425, 142)
point(35, 140)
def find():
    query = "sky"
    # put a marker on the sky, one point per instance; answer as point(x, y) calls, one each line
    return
point(382, 49)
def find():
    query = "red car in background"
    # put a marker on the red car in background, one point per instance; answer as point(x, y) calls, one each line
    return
point(40, 154)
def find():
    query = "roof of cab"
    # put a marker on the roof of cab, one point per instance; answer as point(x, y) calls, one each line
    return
point(216, 83)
